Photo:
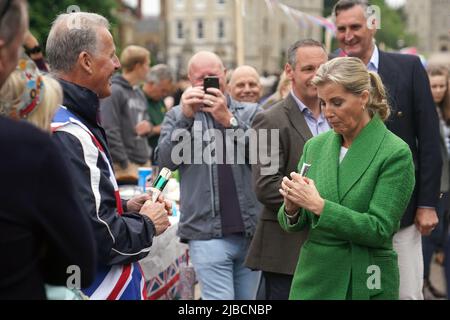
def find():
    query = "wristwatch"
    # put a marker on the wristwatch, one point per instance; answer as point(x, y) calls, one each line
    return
point(234, 123)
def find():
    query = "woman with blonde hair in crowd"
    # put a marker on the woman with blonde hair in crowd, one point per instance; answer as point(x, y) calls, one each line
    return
point(29, 95)
point(359, 183)
point(437, 241)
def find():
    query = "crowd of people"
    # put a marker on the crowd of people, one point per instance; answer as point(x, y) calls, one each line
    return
point(362, 221)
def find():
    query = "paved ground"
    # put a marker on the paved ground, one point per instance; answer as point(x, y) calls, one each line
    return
point(437, 277)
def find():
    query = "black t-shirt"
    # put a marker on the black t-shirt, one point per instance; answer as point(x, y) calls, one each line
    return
point(230, 211)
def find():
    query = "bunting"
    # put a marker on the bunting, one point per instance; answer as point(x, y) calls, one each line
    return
point(323, 22)
point(296, 16)
point(302, 19)
point(270, 4)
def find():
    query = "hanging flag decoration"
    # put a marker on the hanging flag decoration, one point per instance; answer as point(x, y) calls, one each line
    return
point(295, 15)
point(270, 4)
point(323, 22)
point(300, 18)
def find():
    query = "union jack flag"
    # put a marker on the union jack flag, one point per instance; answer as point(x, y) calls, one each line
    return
point(164, 286)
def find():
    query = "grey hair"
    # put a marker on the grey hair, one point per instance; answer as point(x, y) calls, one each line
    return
point(12, 20)
point(352, 74)
point(159, 73)
point(343, 5)
point(292, 51)
point(71, 34)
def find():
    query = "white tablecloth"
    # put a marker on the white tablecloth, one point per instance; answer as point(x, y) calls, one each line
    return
point(167, 255)
point(161, 267)
point(165, 249)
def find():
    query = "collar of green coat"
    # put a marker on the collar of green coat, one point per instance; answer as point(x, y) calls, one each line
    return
point(358, 158)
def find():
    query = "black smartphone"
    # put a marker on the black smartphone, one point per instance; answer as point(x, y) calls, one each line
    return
point(211, 82)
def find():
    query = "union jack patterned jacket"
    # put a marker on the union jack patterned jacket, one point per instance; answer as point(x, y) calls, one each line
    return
point(122, 238)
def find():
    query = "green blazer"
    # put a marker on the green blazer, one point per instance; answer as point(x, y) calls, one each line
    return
point(348, 253)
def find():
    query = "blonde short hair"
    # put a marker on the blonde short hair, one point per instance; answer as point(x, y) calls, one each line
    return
point(42, 115)
point(133, 55)
point(352, 74)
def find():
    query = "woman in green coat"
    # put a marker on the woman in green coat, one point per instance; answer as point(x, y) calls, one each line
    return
point(354, 194)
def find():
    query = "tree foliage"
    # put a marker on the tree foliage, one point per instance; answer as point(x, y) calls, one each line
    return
point(393, 27)
point(43, 13)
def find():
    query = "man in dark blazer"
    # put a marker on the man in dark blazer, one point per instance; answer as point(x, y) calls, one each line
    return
point(298, 118)
point(414, 119)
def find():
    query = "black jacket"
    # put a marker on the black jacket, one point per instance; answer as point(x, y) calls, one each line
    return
point(120, 239)
point(42, 232)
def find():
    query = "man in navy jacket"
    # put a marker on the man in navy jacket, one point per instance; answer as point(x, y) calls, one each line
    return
point(83, 57)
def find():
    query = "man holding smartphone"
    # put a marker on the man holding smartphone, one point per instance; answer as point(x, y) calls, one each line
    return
point(207, 93)
point(218, 207)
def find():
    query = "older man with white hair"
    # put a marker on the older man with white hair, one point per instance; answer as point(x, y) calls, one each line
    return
point(245, 85)
point(81, 53)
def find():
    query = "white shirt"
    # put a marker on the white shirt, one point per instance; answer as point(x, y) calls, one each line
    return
point(316, 126)
point(374, 60)
point(342, 154)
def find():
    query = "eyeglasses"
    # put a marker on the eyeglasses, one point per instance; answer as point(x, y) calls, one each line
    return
point(5, 8)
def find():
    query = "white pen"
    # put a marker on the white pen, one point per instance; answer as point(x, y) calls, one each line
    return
point(305, 169)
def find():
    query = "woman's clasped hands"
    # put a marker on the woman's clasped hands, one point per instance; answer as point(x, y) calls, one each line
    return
point(301, 192)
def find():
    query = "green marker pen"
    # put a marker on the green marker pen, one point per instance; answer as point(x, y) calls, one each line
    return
point(160, 183)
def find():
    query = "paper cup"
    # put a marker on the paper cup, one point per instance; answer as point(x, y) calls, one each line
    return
point(145, 178)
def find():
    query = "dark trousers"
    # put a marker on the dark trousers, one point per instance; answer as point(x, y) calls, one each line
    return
point(277, 285)
point(447, 265)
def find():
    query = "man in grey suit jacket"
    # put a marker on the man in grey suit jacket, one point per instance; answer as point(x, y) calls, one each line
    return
point(298, 118)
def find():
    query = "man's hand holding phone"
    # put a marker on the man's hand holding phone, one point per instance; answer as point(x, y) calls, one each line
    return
point(215, 102)
point(192, 101)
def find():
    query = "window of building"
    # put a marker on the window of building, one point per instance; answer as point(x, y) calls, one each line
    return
point(180, 30)
point(179, 4)
point(283, 31)
point(200, 4)
point(200, 29)
point(265, 25)
point(221, 29)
